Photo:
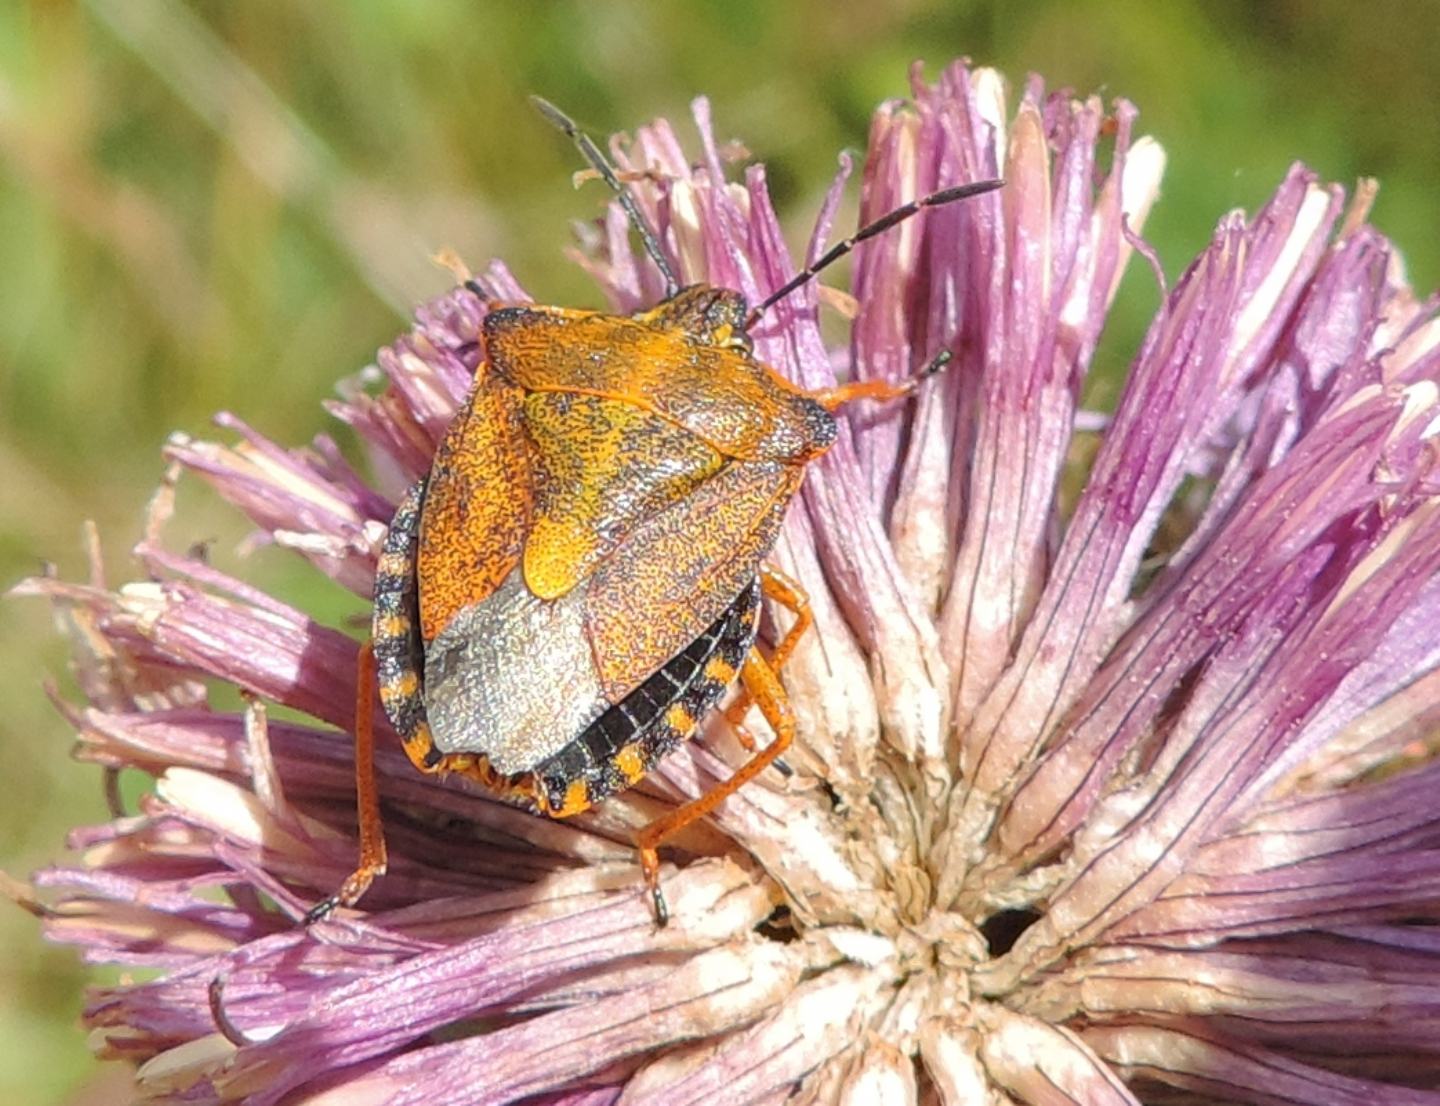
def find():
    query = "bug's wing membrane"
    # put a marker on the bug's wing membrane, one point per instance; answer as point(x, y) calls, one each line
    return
point(512, 678)
point(602, 465)
point(477, 505)
point(663, 585)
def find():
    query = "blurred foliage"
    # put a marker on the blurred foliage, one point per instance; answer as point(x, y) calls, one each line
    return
point(222, 205)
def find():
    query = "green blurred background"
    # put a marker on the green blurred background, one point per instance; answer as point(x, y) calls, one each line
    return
point(230, 205)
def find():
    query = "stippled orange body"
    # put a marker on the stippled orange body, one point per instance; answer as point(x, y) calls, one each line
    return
point(600, 504)
point(577, 580)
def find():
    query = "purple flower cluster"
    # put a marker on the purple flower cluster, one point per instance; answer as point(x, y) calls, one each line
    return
point(1114, 780)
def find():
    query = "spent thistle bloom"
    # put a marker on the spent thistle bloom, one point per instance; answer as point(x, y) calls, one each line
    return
point(1114, 778)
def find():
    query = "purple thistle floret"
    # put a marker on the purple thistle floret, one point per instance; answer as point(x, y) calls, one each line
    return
point(1114, 780)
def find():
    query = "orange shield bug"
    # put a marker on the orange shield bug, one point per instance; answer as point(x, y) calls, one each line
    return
point(578, 580)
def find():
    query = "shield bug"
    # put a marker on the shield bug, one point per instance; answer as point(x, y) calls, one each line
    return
point(578, 580)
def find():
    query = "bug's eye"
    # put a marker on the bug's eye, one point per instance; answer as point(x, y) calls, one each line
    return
point(741, 341)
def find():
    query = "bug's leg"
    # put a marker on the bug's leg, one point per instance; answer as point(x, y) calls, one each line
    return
point(372, 831)
point(785, 591)
point(392, 658)
point(833, 399)
point(758, 679)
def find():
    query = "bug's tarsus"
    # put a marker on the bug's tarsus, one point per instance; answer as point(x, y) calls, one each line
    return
point(935, 364)
point(320, 911)
point(870, 230)
point(598, 161)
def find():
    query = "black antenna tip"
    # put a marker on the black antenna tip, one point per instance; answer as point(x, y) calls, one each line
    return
point(962, 192)
point(556, 117)
point(592, 154)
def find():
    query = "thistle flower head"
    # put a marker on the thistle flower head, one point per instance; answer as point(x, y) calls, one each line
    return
point(1113, 781)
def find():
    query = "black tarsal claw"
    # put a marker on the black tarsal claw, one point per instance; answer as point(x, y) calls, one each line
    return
point(320, 911)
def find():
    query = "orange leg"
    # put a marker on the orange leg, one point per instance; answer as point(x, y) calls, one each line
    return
point(759, 681)
point(834, 398)
point(372, 830)
point(787, 592)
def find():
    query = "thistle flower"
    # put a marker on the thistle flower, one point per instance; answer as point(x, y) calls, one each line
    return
point(1114, 778)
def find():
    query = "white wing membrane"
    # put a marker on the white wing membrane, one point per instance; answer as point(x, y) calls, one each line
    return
point(481, 691)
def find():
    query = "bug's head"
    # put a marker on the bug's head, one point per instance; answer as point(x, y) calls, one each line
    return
point(714, 316)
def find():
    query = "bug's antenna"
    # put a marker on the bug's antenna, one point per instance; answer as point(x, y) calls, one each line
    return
point(591, 152)
point(870, 230)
